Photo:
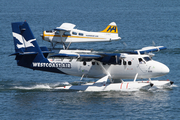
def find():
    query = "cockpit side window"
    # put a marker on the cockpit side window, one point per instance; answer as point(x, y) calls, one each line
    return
point(67, 33)
point(140, 60)
point(147, 59)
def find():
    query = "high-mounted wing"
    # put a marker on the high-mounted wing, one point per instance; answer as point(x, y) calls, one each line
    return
point(77, 55)
point(148, 49)
point(107, 58)
point(65, 27)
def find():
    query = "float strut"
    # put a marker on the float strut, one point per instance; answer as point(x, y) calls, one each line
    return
point(135, 77)
point(82, 77)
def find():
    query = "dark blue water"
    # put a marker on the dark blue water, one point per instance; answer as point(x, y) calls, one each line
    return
point(28, 94)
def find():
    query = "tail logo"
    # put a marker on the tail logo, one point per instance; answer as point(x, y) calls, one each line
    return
point(22, 40)
point(111, 28)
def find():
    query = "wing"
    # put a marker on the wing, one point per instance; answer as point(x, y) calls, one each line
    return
point(76, 55)
point(105, 58)
point(65, 27)
point(148, 49)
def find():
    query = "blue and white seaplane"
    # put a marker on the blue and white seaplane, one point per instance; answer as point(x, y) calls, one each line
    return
point(110, 68)
point(66, 34)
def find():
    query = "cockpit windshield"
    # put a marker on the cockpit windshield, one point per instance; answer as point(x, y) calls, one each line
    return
point(147, 59)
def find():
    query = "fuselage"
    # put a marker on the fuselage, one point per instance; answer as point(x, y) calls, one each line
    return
point(67, 34)
point(76, 35)
point(124, 68)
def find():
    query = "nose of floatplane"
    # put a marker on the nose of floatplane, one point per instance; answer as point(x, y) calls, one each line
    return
point(164, 69)
point(160, 69)
point(43, 35)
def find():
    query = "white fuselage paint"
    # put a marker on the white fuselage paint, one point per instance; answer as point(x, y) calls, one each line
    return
point(84, 36)
point(146, 69)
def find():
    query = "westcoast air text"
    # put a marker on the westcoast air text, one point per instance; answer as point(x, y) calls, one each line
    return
point(52, 65)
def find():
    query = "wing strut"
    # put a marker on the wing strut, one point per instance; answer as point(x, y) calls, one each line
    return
point(108, 74)
point(64, 45)
point(135, 77)
point(53, 45)
point(82, 77)
point(68, 46)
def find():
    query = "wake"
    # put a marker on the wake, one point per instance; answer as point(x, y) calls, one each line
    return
point(46, 86)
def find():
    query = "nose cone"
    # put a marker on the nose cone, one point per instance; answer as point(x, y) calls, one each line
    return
point(164, 69)
point(160, 69)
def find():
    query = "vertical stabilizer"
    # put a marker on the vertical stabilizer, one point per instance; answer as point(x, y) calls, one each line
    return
point(111, 28)
point(26, 48)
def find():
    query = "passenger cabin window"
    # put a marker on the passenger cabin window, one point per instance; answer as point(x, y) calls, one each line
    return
point(147, 59)
point(74, 33)
point(81, 34)
point(129, 62)
point(124, 62)
point(84, 63)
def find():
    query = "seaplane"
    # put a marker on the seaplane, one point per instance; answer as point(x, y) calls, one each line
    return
point(111, 69)
point(66, 34)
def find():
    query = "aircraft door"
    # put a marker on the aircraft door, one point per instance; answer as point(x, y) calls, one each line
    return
point(84, 67)
point(142, 65)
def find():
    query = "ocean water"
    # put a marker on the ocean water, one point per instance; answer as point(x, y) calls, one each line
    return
point(28, 94)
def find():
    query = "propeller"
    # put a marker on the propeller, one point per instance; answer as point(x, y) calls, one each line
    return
point(153, 43)
point(42, 34)
point(124, 44)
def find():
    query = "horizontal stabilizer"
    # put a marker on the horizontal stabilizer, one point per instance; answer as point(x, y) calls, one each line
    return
point(45, 51)
point(24, 53)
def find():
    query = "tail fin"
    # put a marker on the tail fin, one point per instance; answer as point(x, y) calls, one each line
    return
point(111, 28)
point(26, 48)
